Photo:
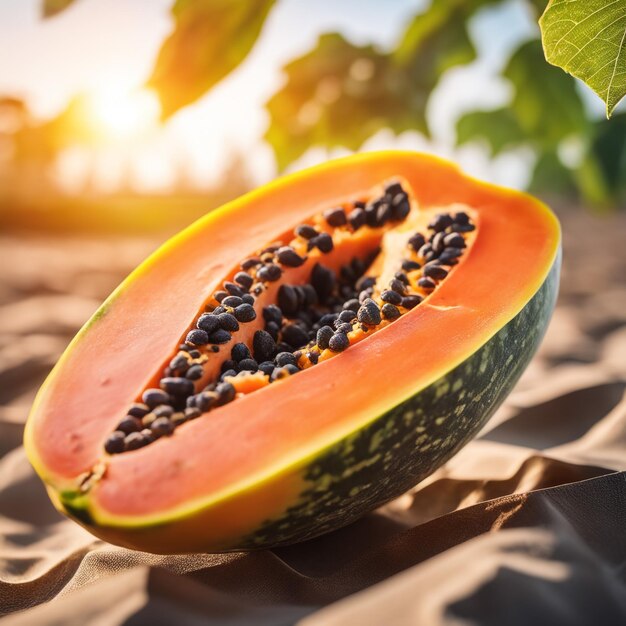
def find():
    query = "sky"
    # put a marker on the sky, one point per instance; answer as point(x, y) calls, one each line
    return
point(106, 48)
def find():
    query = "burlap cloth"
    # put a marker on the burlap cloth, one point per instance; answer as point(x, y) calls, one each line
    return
point(526, 525)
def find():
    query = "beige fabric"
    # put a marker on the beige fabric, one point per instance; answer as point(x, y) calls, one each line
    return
point(526, 525)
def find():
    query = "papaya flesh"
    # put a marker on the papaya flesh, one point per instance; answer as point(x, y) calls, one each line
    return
point(297, 357)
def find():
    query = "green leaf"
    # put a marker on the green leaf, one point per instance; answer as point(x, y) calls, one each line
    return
point(588, 40)
point(340, 94)
point(551, 177)
point(49, 8)
point(545, 102)
point(210, 39)
point(498, 128)
point(337, 95)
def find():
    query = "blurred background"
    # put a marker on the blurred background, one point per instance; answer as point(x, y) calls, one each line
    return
point(122, 121)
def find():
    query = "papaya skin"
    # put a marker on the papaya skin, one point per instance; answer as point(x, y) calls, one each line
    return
point(254, 492)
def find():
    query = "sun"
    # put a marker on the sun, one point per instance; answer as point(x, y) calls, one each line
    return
point(124, 114)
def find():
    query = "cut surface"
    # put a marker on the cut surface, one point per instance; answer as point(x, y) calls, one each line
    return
point(274, 429)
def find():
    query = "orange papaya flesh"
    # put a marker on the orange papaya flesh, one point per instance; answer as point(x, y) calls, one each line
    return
point(296, 456)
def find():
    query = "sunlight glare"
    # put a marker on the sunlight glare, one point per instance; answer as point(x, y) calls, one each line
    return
point(125, 114)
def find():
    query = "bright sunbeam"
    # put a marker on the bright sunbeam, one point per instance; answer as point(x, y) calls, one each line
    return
point(121, 115)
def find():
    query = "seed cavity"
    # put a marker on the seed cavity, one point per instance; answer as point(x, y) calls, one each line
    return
point(337, 305)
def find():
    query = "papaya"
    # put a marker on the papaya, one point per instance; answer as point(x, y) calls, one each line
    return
point(297, 357)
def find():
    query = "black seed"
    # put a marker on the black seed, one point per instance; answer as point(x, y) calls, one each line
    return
point(289, 257)
point(461, 217)
point(239, 352)
point(323, 242)
point(365, 282)
point(134, 441)
point(179, 363)
point(214, 349)
point(197, 337)
point(462, 228)
point(402, 277)
point(248, 365)
point(441, 222)
point(410, 302)
point(398, 286)
point(369, 313)
point(208, 322)
point(273, 329)
point(339, 342)
point(437, 241)
point(228, 322)
point(335, 217)
point(291, 369)
point(244, 279)
point(452, 253)
point(114, 443)
point(247, 298)
point(191, 412)
point(284, 358)
point(287, 298)
point(346, 273)
point(147, 435)
point(383, 213)
point(294, 335)
point(267, 367)
point(195, 354)
point(327, 319)
point(348, 314)
point(371, 209)
point(146, 420)
point(409, 266)
point(184, 347)
point(314, 357)
point(234, 289)
point(271, 313)
point(269, 273)
point(232, 301)
point(258, 290)
point(228, 374)
point(220, 295)
point(392, 297)
point(270, 249)
point(323, 281)
point(205, 401)
point(249, 263)
point(390, 311)
point(194, 372)
point(343, 327)
point(219, 309)
point(219, 336)
point(154, 397)
point(177, 386)
point(400, 207)
point(163, 410)
point(425, 250)
point(138, 409)
point(228, 364)
point(435, 271)
point(357, 218)
point(263, 346)
point(351, 305)
point(245, 313)
point(426, 283)
point(416, 241)
point(179, 417)
point(268, 257)
point(130, 424)
point(365, 294)
point(323, 336)
point(161, 427)
point(225, 393)
point(454, 240)
point(306, 231)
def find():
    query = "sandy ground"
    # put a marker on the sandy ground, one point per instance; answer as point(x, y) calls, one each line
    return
point(565, 424)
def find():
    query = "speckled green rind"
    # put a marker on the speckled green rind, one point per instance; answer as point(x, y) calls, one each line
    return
point(403, 446)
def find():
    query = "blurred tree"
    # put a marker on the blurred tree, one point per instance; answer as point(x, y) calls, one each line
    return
point(340, 94)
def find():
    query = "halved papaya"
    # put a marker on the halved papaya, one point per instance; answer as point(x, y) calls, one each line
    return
point(298, 357)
